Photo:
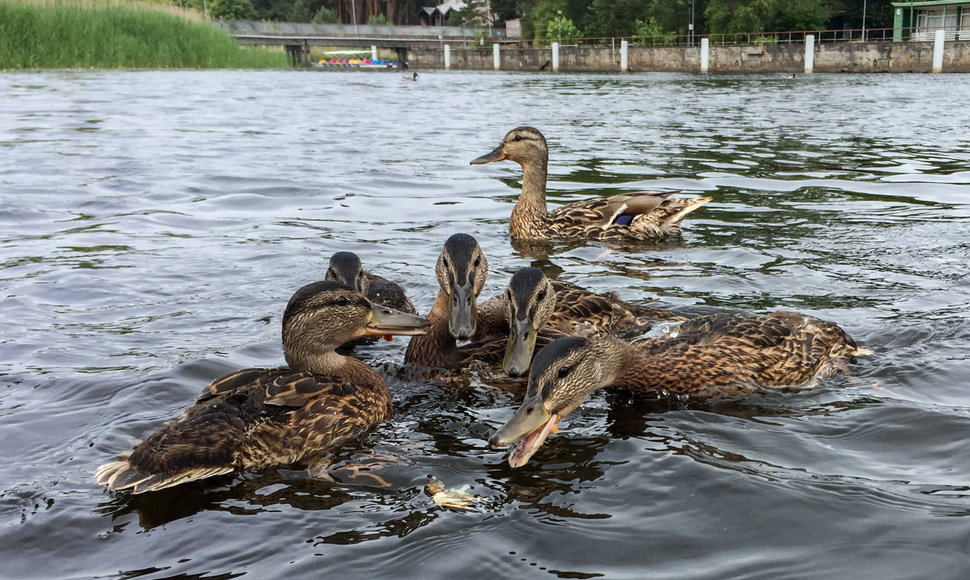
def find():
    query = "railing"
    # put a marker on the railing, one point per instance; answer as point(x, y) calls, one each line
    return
point(922, 34)
point(449, 33)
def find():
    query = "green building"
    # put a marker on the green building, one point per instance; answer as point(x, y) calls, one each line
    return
point(920, 20)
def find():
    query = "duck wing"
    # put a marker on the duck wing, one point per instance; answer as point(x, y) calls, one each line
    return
point(638, 215)
point(249, 419)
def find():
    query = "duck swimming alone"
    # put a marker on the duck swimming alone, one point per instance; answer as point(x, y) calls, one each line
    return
point(708, 356)
point(536, 304)
point(633, 216)
point(345, 267)
point(258, 418)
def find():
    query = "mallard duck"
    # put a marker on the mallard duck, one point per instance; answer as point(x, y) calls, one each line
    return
point(633, 216)
point(456, 314)
point(258, 418)
point(719, 354)
point(345, 267)
point(535, 303)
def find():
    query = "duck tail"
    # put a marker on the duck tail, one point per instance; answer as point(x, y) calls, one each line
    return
point(689, 205)
point(119, 475)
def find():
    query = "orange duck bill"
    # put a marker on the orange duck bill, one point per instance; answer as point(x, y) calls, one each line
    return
point(529, 428)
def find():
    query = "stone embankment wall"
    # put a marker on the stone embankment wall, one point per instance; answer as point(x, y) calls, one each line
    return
point(882, 56)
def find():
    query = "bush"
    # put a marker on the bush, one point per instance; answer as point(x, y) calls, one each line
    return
point(325, 16)
point(232, 10)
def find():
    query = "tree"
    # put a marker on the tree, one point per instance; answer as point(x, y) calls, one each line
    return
point(800, 15)
point(543, 12)
point(232, 10)
point(299, 11)
point(561, 27)
point(325, 16)
point(735, 16)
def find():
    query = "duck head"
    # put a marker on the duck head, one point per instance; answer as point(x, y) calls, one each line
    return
point(324, 315)
point(564, 374)
point(522, 145)
point(345, 267)
point(530, 301)
point(461, 272)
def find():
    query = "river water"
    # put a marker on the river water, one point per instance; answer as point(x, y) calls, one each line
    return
point(154, 224)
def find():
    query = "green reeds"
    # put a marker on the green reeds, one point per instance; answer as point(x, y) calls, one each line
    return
point(88, 34)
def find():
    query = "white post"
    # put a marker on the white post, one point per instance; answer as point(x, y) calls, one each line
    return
point(809, 53)
point(447, 56)
point(705, 54)
point(938, 51)
point(555, 56)
point(624, 55)
point(373, 52)
point(496, 58)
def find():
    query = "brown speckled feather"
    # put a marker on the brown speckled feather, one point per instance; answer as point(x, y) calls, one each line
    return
point(255, 418)
point(735, 353)
point(653, 214)
point(581, 312)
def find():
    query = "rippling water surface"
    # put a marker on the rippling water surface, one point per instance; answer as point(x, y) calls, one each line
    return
point(154, 224)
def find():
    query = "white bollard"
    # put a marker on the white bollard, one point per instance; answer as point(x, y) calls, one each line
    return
point(373, 52)
point(496, 58)
point(938, 52)
point(447, 56)
point(705, 54)
point(555, 56)
point(809, 53)
point(624, 55)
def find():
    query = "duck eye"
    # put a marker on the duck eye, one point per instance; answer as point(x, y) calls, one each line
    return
point(529, 410)
point(563, 371)
point(342, 301)
point(542, 295)
point(478, 262)
point(517, 138)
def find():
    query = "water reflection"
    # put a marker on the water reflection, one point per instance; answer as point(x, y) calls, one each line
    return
point(157, 247)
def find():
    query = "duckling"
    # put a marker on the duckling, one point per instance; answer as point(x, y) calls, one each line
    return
point(535, 303)
point(633, 216)
point(253, 419)
point(719, 354)
point(345, 267)
point(456, 315)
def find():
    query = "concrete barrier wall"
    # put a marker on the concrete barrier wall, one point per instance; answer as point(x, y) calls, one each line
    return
point(882, 56)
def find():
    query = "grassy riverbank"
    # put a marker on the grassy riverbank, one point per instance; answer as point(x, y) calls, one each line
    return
point(105, 35)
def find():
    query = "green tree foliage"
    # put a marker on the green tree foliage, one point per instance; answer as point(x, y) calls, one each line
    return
point(544, 11)
point(615, 17)
point(232, 10)
point(799, 15)
point(325, 16)
point(728, 16)
point(299, 11)
point(559, 28)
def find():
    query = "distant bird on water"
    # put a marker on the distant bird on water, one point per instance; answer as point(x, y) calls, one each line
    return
point(413, 77)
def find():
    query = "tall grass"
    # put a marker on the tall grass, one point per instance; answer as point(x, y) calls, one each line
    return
point(106, 35)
